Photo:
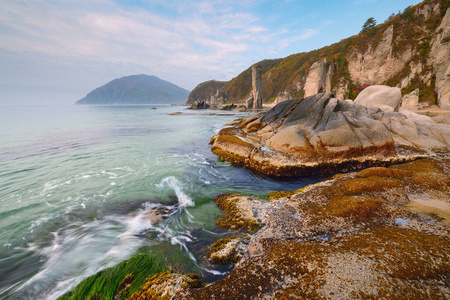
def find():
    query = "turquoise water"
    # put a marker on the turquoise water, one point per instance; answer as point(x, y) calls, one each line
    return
point(76, 182)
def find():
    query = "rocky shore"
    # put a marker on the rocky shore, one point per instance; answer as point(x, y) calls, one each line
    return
point(381, 232)
point(379, 228)
point(321, 134)
point(353, 236)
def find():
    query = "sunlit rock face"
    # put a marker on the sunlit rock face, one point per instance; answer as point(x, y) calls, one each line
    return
point(257, 87)
point(321, 134)
point(440, 53)
point(384, 97)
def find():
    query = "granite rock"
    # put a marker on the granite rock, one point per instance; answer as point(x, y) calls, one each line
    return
point(320, 134)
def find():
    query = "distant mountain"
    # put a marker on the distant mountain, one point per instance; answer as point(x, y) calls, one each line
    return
point(137, 89)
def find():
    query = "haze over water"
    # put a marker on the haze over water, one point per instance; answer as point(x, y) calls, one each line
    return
point(76, 182)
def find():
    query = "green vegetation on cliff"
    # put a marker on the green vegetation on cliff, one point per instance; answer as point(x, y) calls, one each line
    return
point(412, 31)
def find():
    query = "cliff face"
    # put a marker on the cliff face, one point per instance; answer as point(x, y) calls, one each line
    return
point(205, 90)
point(440, 54)
point(410, 50)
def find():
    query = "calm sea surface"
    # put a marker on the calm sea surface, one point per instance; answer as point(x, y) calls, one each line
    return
point(76, 181)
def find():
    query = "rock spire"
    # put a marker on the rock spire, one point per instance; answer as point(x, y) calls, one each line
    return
point(257, 87)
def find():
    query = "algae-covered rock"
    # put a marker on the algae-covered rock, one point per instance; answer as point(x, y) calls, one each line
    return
point(228, 250)
point(241, 212)
point(391, 263)
point(320, 134)
point(353, 236)
point(165, 286)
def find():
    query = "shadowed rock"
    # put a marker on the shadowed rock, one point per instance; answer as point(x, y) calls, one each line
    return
point(320, 134)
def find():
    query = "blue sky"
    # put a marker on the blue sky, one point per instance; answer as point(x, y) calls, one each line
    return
point(56, 51)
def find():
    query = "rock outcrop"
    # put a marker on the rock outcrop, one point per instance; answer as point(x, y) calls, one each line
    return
point(376, 65)
point(320, 134)
point(256, 87)
point(281, 97)
point(200, 104)
point(315, 82)
point(378, 233)
point(204, 90)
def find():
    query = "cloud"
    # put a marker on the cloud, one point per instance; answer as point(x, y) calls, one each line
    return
point(120, 35)
point(204, 37)
point(306, 34)
point(186, 42)
point(357, 2)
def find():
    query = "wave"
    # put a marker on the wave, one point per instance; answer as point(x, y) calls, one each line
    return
point(102, 243)
point(183, 199)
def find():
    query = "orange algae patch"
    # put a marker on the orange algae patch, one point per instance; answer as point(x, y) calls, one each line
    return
point(356, 186)
point(233, 219)
point(383, 262)
point(384, 172)
point(357, 208)
point(165, 285)
point(426, 174)
point(231, 256)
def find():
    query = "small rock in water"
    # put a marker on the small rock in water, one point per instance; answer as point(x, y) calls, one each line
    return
point(158, 213)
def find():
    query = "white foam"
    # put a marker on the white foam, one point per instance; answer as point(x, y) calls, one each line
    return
point(214, 272)
point(183, 199)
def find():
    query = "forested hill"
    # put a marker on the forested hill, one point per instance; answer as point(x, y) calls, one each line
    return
point(411, 50)
point(136, 89)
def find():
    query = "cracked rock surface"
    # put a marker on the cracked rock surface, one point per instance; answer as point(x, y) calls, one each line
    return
point(320, 134)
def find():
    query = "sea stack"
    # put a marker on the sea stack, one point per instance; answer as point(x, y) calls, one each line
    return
point(257, 87)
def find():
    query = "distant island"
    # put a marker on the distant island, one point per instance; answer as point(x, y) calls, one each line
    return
point(137, 89)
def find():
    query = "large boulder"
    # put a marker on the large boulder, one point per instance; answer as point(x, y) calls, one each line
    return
point(381, 96)
point(411, 100)
point(321, 134)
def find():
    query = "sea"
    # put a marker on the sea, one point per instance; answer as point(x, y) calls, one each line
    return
point(76, 183)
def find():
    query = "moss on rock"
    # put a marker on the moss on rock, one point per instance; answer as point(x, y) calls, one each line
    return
point(224, 251)
point(233, 218)
point(386, 262)
point(165, 286)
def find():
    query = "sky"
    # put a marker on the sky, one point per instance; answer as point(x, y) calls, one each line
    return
point(57, 51)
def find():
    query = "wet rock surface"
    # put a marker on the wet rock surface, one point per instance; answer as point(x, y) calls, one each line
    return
point(352, 236)
point(320, 134)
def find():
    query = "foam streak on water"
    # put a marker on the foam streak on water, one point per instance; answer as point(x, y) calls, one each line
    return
point(172, 182)
point(80, 243)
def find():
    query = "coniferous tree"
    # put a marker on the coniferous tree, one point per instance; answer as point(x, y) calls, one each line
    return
point(369, 26)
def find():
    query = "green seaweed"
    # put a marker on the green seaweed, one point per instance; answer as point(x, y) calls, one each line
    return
point(116, 282)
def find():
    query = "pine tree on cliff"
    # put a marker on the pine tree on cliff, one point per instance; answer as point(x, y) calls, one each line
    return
point(369, 26)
